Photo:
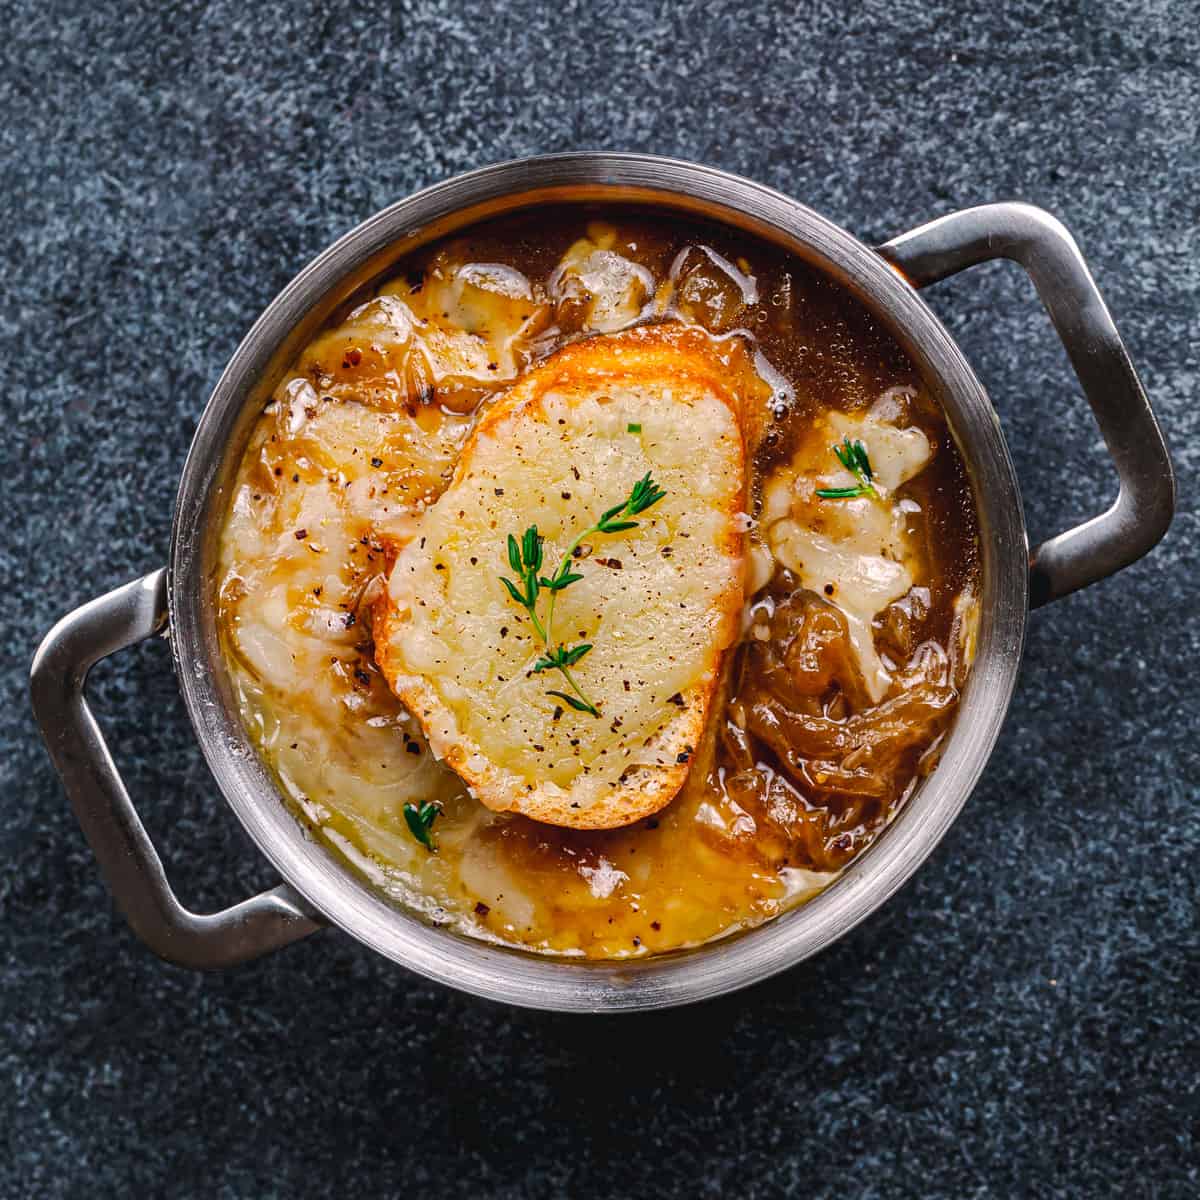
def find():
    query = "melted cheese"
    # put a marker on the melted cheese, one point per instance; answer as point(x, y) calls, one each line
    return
point(457, 327)
point(597, 286)
point(706, 288)
point(857, 552)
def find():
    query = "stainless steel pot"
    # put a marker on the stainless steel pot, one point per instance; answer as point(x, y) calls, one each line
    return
point(319, 888)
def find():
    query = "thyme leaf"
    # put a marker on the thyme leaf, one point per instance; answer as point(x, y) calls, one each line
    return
point(577, 705)
point(420, 821)
point(512, 591)
point(561, 656)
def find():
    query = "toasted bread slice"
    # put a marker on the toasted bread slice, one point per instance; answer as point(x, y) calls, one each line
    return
point(658, 603)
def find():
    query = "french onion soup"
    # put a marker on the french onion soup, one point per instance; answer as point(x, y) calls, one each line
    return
point(601, 585)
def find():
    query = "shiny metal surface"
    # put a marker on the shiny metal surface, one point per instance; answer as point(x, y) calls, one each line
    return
point(324, 881)
point(127, 857)
point(1041, 244)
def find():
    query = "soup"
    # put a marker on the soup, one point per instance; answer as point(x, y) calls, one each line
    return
point(775, 629)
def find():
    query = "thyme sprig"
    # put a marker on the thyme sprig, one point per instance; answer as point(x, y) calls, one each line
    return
point(525, 559)
point(420, 821)
point(852, 456)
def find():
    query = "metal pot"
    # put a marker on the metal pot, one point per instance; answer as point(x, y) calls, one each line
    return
point(319, 888)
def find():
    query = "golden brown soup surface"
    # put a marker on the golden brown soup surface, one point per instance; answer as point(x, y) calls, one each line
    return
point(859, 619)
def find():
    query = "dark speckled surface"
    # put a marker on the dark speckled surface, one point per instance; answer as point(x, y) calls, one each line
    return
point(1020, 1021)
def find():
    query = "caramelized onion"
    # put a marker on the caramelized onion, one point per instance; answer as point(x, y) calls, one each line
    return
point(804, 749)
point(807, 652)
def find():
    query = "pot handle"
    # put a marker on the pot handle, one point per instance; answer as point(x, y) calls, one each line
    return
point(1041, 244)
point(127, 857)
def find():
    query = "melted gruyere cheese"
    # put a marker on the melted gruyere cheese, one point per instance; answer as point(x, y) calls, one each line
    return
point(857, 551)
point(455, 329)
point(597, 286)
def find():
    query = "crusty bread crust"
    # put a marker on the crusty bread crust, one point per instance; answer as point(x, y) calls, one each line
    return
point(668, 361)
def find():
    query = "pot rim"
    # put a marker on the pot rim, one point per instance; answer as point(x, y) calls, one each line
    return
point(516, 976)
